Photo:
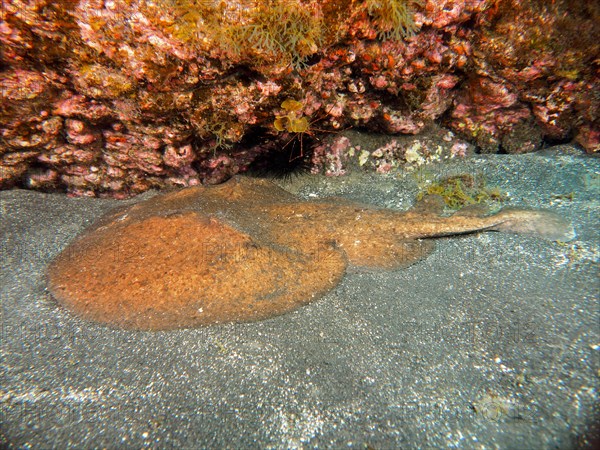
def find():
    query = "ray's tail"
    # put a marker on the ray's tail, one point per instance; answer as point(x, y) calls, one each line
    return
point(543, 223)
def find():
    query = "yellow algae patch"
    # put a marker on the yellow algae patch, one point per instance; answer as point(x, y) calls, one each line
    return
point(247, 250)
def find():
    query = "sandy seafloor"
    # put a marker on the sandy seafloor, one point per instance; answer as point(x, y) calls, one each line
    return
point(491, 342)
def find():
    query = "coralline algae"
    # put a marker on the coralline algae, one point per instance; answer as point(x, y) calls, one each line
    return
point(114, 98)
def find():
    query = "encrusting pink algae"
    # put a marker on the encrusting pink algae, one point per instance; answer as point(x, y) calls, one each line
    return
point(113, 98)
point(247, 250)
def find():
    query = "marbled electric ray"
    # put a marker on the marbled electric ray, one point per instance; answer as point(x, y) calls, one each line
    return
point(247, 250)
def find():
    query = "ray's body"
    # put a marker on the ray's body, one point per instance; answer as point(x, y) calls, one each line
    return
point(247, 250)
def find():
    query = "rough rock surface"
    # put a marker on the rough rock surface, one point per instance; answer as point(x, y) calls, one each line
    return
point(112, 98)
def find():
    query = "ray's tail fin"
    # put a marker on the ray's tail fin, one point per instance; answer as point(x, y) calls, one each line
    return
point(546, 224)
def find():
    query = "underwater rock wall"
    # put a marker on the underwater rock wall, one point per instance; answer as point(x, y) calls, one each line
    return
point(111, 98)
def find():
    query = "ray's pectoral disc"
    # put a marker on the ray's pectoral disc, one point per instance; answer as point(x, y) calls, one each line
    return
point(185, 270)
